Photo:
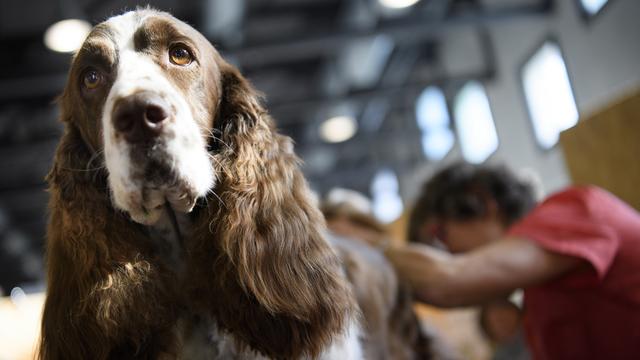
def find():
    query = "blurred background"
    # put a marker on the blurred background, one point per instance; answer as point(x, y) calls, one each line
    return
point(377, 95)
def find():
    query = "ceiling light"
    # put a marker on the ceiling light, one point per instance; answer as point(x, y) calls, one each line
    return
point(593, 6)
point(397, 4)
point(338, 129)
point(66, 35)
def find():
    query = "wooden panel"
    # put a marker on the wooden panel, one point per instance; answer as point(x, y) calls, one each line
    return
point(604, 149)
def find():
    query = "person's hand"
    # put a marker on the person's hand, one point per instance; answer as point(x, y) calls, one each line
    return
point(424, 268)
point(407, 259)
point(501, 320)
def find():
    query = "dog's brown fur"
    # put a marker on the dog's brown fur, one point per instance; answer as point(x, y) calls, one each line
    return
point(256, 262)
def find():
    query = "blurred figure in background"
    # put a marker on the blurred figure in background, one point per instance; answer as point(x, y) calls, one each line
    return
point(501, 322)
point(348, 214)
point(392, 329)
point(576, 254)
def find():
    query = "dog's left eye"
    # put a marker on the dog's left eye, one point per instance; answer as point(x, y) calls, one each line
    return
point(180, 55)
point(91, 78)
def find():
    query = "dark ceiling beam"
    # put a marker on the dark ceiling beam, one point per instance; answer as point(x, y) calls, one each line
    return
point(26, 164)
point(31, 87)
point(358, 176)
point(403, 32)
point(406, 32)
point(392, 92)
point(390, 144)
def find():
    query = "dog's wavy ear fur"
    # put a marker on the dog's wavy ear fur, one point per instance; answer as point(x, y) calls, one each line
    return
point(102, 284)
point(276, 284)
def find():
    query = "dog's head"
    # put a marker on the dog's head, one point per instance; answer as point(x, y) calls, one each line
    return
point(145, 88)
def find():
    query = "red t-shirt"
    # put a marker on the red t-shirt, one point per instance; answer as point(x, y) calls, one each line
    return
point(589, 313)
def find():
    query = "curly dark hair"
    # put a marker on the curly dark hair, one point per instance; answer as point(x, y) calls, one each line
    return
point(461, 192)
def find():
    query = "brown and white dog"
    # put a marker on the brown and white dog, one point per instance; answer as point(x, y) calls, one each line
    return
point(180, 223)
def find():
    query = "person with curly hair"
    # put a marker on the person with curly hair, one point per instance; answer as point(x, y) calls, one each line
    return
point(576, 254)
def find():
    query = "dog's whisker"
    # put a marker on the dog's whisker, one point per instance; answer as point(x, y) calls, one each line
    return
point(95, 156)
point(84, 170)
point(218, 197)
point(206, 200)
point(215, 159)
point(222, 142)
point(88, 167)
point(217, 138)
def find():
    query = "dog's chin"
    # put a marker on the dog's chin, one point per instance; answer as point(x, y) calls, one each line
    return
point(154, 190)
point(147, 204)
point(157, 201)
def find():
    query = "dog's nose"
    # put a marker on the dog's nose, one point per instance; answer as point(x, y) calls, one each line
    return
point(139, 117)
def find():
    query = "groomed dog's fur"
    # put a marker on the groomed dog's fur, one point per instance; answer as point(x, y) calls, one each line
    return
point(175, 203)
point(390, 327)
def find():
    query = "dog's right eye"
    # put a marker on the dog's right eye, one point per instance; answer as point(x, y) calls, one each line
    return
point(180, 55)
point(91, 79)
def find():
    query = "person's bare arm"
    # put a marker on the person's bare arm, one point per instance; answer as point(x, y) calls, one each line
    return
point(489, 272)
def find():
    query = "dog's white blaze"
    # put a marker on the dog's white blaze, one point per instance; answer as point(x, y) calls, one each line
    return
point(138, 72)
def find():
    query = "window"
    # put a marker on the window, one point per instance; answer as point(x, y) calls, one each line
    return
point(433, 120)
point(474, 123)
point(548, 94)
point(387, 203)
point(592, 7)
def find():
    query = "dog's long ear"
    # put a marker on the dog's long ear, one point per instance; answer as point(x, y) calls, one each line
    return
point(277, 285)
point(101, 282)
